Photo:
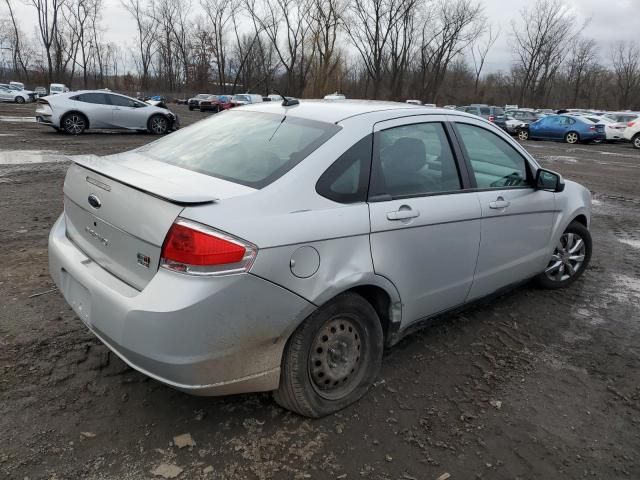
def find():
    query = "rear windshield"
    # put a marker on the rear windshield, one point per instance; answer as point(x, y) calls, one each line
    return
point(245, 147)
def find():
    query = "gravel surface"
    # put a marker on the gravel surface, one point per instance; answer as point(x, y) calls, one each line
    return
point(531, 385)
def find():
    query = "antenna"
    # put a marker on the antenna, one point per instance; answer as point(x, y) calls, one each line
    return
point(287, 101)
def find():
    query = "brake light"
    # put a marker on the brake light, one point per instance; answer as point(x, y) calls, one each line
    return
point(491, 118)
point(196, 249)
point(592, 127)
point(631, 124)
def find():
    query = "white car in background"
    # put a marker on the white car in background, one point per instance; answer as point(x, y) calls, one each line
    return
point(632, 132)
point(15, 95)
point(57, 88)
point(613, 130)
point(74, 112)
point(246, 98)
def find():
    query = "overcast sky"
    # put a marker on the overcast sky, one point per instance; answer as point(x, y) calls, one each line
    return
point(610, 21)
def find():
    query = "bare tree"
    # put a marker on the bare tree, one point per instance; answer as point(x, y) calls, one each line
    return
point(48, 12)
point(221, 14)
point(401, 48)
point(453, 26)
point(16, 45)
point(582, 59)
point(147, 27)
point(626, 68)
point(325, 20)
point(541, 43)
point(479, 54)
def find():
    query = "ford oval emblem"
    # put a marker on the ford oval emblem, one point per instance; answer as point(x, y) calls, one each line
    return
point(94, 201)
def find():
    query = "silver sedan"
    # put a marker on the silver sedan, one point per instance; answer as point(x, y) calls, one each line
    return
point(283, 246)
point(75, 112)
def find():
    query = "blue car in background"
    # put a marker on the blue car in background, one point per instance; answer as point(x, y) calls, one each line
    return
point(563, 127)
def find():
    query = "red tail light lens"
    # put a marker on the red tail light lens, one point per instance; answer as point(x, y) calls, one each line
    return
point(492, 118)
point(631, 124)
point(592, 127)
point(196, 249)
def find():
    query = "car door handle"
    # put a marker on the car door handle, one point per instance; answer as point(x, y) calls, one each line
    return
point(404, 213)
point(499, 203)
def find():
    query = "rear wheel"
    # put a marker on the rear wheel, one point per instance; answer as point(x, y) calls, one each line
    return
point(570, 258)
point(636, 141)
point(523, 135)
point(190, 108)
point(74, 123)
point(572, 138)
point(158, 124)
point(332, 359)
point(19, 99)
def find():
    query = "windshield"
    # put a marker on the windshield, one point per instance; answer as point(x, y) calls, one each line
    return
point(250, 148)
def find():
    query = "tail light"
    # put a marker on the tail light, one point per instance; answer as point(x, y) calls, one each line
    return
point(492, 118)
point(196, 249)
point(592, 127)
point(631, 124)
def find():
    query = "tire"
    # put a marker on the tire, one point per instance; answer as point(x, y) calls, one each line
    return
point(635, 141)
point(191, 108)
point(158, 124)
point(558, 274)
point(74, 123)
point(523, 135)
point(572, 138)
point(343, 370)
point(19, 100)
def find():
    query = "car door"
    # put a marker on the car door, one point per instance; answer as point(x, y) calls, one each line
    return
point(517, 219)
point(128, 113)
point(425, 228)
point(96, 108)
point(6, 95)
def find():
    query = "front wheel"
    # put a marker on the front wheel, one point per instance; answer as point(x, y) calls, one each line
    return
point(523, 135)
point(572, 138)
point(19, 99)
point(74, 123)
point(158, 125)
point(191, 108)
point(332, 359)
point(570, 258)
point(636, 141)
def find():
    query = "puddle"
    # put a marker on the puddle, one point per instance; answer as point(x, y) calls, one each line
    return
point(22, 157)
point(631, 242)
point(11, 119)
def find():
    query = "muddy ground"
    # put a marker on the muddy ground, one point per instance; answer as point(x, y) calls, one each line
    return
point(532, 385)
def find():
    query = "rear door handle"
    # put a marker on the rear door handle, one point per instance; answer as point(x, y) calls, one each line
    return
point(499, 203)
point(403, 213)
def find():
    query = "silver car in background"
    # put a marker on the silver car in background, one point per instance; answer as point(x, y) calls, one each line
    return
point(75, 112)
point(282, 246)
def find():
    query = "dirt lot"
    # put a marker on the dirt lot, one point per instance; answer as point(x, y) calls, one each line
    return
point(533, 385)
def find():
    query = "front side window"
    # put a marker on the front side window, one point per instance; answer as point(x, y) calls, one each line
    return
point(245, 147)
point(495, 163)
point(119, 101)
point(414, 160)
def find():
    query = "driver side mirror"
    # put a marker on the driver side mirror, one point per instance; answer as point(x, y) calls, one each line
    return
point(549, 181)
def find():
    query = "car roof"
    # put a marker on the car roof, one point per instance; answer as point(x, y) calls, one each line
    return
point(335, 111)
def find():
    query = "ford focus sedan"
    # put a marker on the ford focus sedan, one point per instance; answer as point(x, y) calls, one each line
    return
point(281, 247)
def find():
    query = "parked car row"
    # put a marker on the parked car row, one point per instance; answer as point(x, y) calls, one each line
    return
point(216, 103)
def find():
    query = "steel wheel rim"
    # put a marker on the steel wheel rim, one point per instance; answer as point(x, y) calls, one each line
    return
point(567, 259)
point(572, 137)
point(158, 125)
point(74, 124)
point(335, 360)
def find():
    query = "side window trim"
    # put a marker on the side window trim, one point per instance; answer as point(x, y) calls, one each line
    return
point(463, 172)
point(531, 168)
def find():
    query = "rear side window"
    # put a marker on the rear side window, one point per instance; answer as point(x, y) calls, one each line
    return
point(485, 111)
point(245, 147)
point(347, 179)
point(413, 160)
point(495, 163)
point(99, 98)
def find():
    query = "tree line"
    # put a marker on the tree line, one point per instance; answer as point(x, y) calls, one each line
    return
point(432, 50)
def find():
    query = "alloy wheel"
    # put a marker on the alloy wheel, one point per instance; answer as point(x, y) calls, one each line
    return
point(636, 141)
point(334, 362)
point(19, 100)
point(158, 125)
point(523, 135)
point(74, 124)
point(567, 259)
point(572, 137)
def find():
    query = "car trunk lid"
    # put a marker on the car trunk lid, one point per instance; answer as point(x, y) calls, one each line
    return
point(119, 209)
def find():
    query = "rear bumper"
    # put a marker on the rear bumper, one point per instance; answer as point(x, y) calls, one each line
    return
point(205, 336)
